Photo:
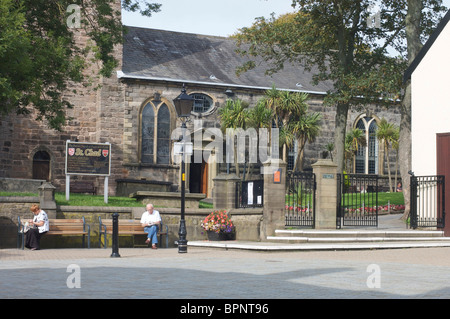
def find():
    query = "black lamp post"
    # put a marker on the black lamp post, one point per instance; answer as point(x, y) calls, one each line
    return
point(183, 105)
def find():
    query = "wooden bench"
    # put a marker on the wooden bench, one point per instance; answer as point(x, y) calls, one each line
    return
point(128, 227)
point(70, 227)
point(83, 187)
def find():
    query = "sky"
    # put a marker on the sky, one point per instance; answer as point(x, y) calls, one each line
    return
point(210, 17)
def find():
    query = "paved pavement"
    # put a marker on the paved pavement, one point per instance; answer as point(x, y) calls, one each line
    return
point(205, 275)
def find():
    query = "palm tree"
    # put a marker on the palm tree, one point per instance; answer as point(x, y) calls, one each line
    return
point(258, 117)
point(353, 141)
point(385, 133)
point(271, 101)
point(396, 146)
point(306, 129)
point(291, 108)
point(330, 148)
point(233, 116)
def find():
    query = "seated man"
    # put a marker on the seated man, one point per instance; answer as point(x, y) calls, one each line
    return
point(151, 220)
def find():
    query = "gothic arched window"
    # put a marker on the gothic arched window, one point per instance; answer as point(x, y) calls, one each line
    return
point(366, 161)
point(155, 133)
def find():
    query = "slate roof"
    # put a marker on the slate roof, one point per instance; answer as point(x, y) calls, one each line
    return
point(152, 54)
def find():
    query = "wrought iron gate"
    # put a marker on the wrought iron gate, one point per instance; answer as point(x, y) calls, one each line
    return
point(357, 200)
point(300, 199)
point(427, 201)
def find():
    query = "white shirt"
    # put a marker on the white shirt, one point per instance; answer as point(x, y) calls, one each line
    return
point(42, 216)
point(148, 218)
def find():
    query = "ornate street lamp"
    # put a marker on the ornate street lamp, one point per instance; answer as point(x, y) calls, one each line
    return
point(183, 105)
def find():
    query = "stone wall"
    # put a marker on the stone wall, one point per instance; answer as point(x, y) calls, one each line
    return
point(10, 209)
point(248, 223)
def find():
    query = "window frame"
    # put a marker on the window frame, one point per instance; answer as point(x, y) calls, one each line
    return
point(212, 107)
point(367, 121)
point(156, 104)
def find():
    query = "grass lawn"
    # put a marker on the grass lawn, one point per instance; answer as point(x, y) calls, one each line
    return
point(116, 201)
point(93, 200)
point(383, 198)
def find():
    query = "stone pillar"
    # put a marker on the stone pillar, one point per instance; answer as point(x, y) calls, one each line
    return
point(274, 197)
point(47, 199)
point(326, 194)
point(224, 191)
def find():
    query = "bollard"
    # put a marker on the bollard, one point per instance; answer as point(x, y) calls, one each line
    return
point(115, 236)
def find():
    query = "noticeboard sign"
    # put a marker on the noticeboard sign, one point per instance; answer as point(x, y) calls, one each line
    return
point(88, 158)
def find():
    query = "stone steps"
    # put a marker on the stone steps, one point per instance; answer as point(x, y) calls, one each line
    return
point(323, 240)
point(356, 236)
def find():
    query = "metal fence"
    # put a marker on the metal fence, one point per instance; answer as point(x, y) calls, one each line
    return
point(357, 200)
point(300, 199)
point(427, 201)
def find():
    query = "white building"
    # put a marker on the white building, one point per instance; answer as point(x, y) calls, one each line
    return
point(430, 88)
point(430, 124)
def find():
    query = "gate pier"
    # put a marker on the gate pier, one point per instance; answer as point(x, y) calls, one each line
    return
point(326, 196)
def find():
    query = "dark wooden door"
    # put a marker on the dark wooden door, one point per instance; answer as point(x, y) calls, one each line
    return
point(443, 168)
point(41, 165)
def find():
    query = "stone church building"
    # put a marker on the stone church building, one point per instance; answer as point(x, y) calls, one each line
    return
point(134, 112)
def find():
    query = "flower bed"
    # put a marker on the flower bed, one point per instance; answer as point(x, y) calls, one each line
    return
point(386, 209)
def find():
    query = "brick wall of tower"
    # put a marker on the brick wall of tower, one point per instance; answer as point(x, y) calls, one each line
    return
point(95, 117)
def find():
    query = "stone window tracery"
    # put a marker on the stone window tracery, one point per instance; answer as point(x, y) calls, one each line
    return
point(155, 133)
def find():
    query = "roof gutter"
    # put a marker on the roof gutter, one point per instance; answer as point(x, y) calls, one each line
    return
point(122, 75)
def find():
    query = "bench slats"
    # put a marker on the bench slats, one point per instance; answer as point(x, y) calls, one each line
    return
point(127, 227)
point(62, 227)
point(59, 232)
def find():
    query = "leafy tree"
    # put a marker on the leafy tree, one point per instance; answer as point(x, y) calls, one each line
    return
point(333, 39)
point(40, 59)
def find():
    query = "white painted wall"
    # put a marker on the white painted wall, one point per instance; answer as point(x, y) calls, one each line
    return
point(430, 104)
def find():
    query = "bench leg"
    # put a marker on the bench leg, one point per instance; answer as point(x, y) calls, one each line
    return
point(104, 240)
point(21, 241)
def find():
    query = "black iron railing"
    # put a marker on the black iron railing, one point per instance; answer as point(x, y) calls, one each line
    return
point(300, 199)
point(357, 200)
point(427, 201)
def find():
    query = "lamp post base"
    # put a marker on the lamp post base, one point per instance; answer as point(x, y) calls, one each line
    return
point(182, 247)
point(182, 242)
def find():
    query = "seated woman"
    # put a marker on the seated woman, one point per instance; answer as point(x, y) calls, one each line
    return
point(39, 226)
